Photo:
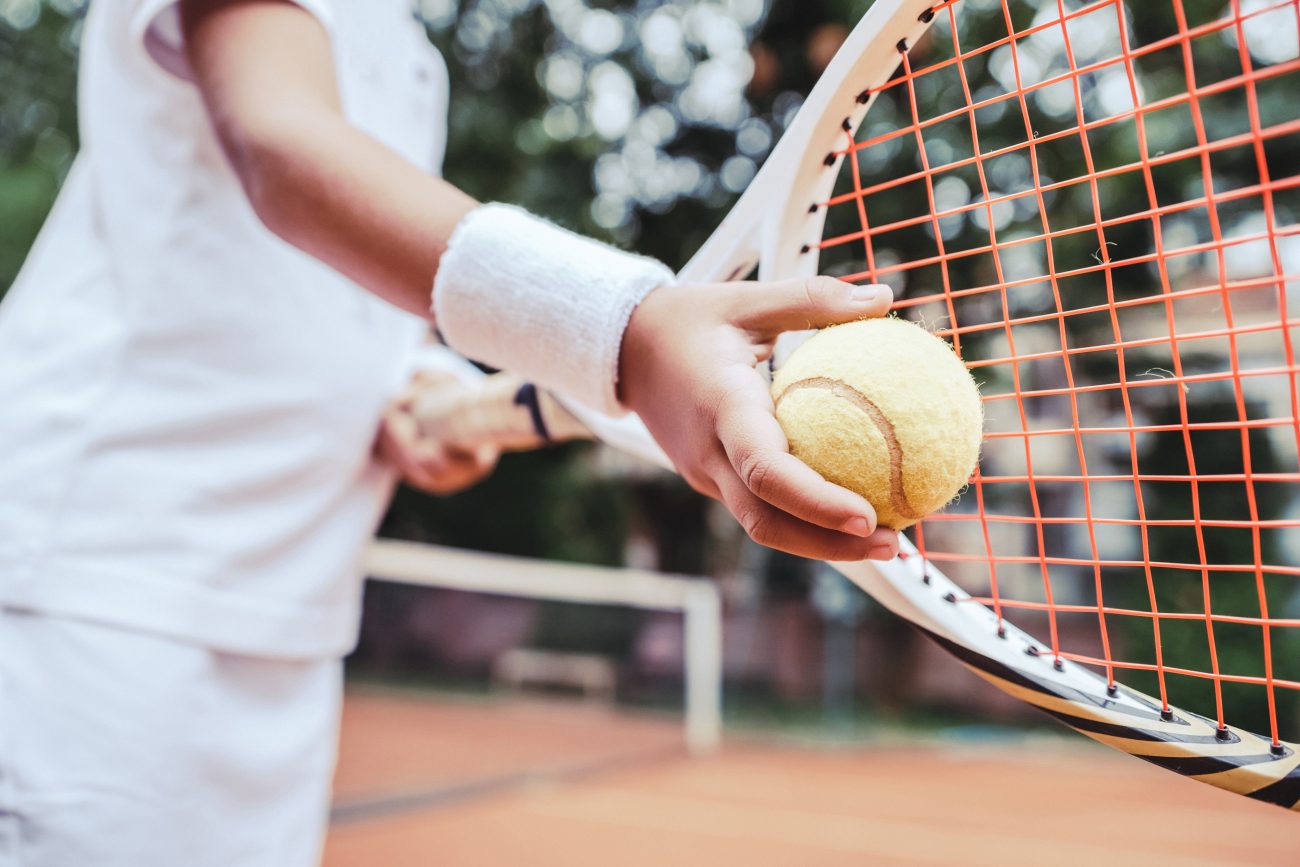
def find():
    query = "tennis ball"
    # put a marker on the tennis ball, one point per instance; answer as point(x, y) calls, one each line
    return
point(886, 409)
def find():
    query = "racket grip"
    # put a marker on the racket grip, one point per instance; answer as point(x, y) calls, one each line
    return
point(504, 411)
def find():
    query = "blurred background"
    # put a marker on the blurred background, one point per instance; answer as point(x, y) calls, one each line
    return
point(640, 121)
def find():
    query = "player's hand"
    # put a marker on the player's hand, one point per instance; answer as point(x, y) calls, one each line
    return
point(688, 367)
point(421, 460)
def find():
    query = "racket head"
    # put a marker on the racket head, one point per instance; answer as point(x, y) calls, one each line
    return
point(1104, 151)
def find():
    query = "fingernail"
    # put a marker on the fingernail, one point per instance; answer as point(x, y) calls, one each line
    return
point(881, 552)
point(869, 293)
point(857, 526)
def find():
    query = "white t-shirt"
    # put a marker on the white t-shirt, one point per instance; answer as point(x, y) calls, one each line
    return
point(187, 403)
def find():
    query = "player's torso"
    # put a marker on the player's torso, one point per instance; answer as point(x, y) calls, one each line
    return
point(187, 397)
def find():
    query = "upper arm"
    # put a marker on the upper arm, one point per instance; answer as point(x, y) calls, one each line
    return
point(266, 72)
point(265, 69)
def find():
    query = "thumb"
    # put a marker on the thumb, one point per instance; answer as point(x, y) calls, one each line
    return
point(769, 309)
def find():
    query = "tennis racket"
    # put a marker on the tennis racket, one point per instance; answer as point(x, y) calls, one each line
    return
point(1098, 203)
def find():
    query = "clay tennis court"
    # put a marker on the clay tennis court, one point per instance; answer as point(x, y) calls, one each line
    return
point(453, 781)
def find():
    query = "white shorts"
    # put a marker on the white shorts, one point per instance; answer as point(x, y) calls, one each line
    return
point(121, 749)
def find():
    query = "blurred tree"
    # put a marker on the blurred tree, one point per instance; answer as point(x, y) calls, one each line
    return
point(38, 119)
point(604, 116)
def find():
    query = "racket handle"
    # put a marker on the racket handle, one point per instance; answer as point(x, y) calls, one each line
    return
point(504, 411)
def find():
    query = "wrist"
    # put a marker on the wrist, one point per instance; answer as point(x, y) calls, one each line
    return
point(638, 350)
point(521, 294)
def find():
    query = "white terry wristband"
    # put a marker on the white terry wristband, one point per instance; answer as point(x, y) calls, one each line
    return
point(521, 294)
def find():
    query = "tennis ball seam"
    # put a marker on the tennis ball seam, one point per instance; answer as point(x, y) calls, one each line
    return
point(897, 493)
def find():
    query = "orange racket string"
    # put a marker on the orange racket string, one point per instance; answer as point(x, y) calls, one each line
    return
point(1124, 324)
point(1127, 563)
point(1269, 682)
point(978, 479)
point(1138, 612)
point(1104, 248)
point(1261, 164)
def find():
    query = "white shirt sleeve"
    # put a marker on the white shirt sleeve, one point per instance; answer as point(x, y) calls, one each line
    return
point(156, 25)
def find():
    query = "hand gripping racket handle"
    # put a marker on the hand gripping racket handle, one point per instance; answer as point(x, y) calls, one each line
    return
point(503, 411)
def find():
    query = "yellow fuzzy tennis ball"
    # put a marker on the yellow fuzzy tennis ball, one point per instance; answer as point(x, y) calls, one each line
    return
point(884, 408)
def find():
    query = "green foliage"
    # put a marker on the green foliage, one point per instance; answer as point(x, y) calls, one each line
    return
point(38, 121)
point(29, 191)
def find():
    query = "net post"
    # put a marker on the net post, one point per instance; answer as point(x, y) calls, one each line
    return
point(702, 612)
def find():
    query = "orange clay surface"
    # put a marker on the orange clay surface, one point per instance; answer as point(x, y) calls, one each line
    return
point(441, 781)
